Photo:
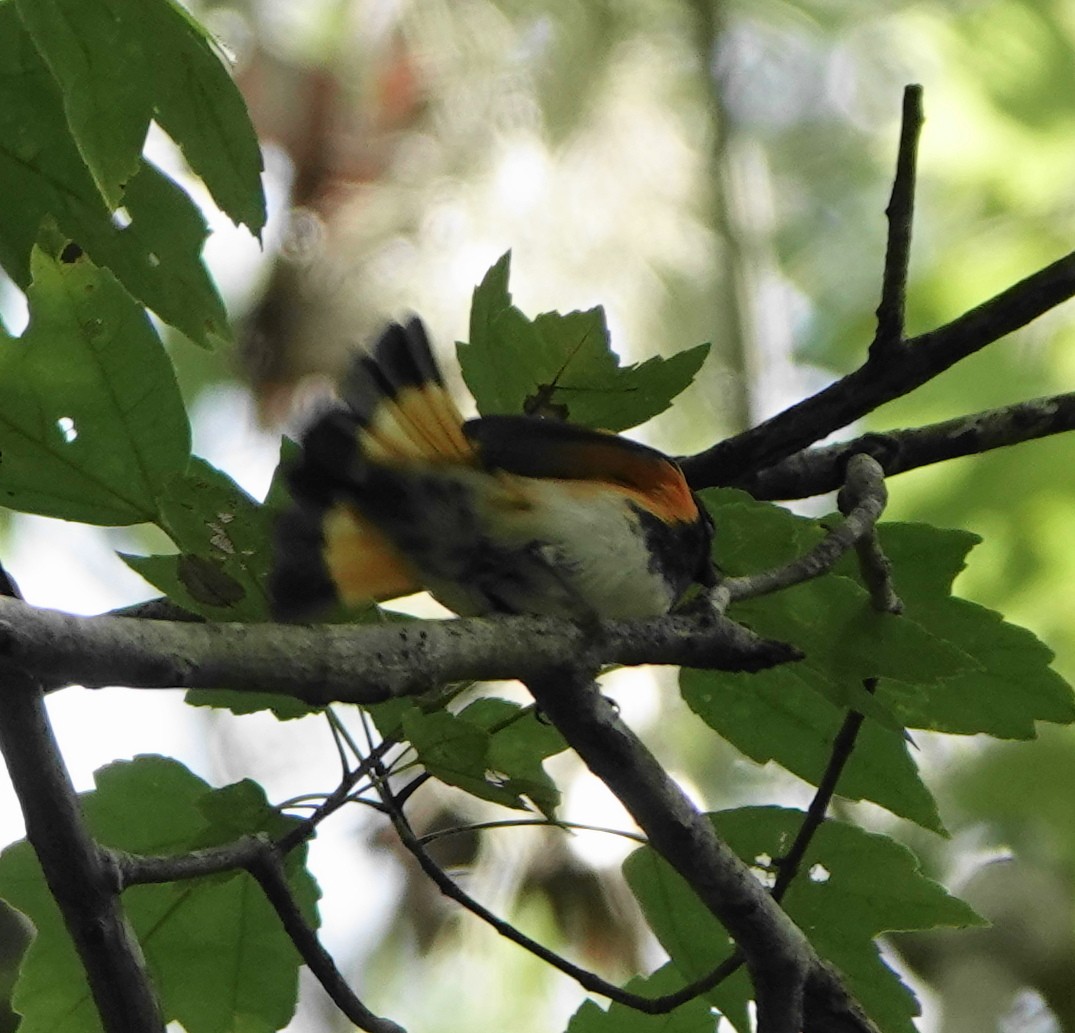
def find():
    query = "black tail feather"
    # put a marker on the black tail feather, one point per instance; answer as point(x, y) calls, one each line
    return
point(401, 358)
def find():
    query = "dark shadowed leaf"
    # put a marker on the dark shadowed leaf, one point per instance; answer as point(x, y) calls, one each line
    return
point(853, 886)
point(237, 971)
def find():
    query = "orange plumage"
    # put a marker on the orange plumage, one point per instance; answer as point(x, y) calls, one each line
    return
point(502, 514)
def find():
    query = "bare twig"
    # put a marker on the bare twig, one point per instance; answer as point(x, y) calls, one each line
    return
point(268, 869)
point(262, 859)
point(900, 213)
point(815, 471)
point(873, 563)
point(453, 891)
point(842, 746)
point(865, 495)
point(588, 980)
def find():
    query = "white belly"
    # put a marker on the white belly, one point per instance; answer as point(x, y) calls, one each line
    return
point(568, 552)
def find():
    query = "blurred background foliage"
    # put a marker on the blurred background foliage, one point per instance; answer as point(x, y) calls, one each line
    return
point(707, 171)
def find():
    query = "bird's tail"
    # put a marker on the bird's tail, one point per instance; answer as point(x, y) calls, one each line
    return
point(396, 415)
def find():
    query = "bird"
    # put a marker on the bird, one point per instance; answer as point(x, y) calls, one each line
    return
point(394, 492)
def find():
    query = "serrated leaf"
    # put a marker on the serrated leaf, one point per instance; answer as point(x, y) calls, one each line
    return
point(1014, 687)
point(91, 420)
point(217, 954)
point(493, 749)
point(121, 64)
point(853, 886)
point(225, 538)
point(830, 618)
point(784, 720)
point(455, 751)
point(562, 365)
point(519, 742)
point(696, 1016)
point(156, 256)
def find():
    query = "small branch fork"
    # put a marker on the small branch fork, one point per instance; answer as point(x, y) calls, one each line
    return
point(895, 366)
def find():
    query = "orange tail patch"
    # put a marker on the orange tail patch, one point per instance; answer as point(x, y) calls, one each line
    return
point(398, 396)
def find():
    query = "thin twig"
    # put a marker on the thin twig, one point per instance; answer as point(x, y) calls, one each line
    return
point(842, 746)
point(267, 868)
point(514, 823)
point(864, 490)
point(900, 213)
point(874, 565)
point(584, 977)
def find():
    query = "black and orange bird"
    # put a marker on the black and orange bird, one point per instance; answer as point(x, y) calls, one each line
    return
point(395, 492)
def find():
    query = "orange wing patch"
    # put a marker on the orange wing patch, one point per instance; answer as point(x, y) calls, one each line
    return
point(418, 424)
point(531, 447)
point(656, 482)
point(361, 562)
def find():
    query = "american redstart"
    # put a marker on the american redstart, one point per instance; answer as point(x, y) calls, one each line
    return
point(395, 492)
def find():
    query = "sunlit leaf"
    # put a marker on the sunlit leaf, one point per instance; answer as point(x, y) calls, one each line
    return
point(152, 245)
point(562, 366)
point(1014, 687)
point(91, 421)
point(121, 64)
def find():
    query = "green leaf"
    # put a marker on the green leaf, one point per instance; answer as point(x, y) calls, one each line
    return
point(830, 618)
point(455, 751)
point(226, 542)
point(215, 949)
point(1014, 686)
point(91, 420)
point(121, 64)
point(221, 574)
point(853, 886)
point(519, 742)
point(696, 1016)
point(784, 720)
point(493, 749)
point(562, 365)
point(156, 256)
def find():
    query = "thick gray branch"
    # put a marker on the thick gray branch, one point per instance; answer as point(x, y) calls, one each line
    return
point(781, 961)
point(77, 872)
point(357, 664)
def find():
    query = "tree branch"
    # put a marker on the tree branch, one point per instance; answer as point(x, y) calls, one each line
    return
point(780, 959)
point(881, 379)
point(75, 869)
point(900, 214)
point(357, 663)
point(267, 868)
point(865, 496)
point(815, 471)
